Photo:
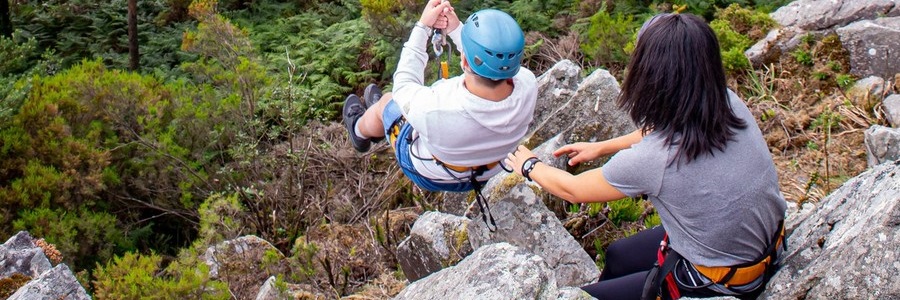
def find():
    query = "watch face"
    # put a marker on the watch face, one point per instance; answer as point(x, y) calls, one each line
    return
point(528, 165)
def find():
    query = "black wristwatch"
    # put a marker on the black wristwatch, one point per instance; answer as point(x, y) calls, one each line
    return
point(528, 166)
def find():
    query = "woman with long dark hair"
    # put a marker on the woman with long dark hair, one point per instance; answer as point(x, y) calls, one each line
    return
point(698, 156)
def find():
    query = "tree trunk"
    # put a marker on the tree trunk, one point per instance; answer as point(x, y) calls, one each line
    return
point(5, 24)
point(135, 61)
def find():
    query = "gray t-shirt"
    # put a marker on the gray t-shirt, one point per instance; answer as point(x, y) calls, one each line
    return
point(719, 210)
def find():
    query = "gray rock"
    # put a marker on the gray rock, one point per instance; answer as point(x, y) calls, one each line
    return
point(268, 291)
point(436, 241)
point(866, 91)
point(892, 110)
point(240, 261)
point(822, 14)
point(778, 43)
point(580, 110)
point(57, 283)
point(524, 221)
point(796, 213)
point(20, 255)
point(573, 293)
point(847, 249)
point(873, 46)
point(882, 144)
point(497, 271)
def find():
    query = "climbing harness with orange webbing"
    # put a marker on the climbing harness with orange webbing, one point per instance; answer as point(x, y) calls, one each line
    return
point(731, 276)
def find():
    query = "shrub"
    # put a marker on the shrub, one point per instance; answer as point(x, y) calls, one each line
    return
point(82, 237)
point(736, 29)
point(136, 276)
point(604, 37)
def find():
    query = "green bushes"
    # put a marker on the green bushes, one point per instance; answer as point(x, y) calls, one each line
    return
point(737, 28)
point(82, 236)
point(604, 37)
point(135, 276)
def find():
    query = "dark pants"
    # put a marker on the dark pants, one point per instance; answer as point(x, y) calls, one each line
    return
point(627, 263)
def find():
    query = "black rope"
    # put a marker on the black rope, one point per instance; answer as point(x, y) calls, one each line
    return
point(482, 202)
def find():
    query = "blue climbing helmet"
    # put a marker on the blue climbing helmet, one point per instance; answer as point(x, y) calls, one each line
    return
point(493, 43)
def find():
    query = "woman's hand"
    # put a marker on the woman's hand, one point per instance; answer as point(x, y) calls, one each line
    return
point(580, 152)
point(434, 10)
point(517, 158)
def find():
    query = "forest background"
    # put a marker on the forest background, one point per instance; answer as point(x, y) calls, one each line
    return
point(135, 133)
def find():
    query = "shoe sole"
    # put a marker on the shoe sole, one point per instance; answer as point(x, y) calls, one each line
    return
point(369, 95)
point(349, 124)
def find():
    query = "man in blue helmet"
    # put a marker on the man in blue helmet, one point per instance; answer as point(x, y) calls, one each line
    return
point(451, 136)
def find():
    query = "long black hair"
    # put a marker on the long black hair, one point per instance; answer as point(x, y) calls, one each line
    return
point(675, 86)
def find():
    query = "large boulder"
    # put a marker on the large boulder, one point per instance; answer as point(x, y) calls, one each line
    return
point(498, 271)
point(524, 221)
point(882, 144)
point(57, 283)
point(873, 45)
point(20, 255)
point(823, 14)
point(580, 110)
point(848, 248)
point(437, 241)
point(243, 264)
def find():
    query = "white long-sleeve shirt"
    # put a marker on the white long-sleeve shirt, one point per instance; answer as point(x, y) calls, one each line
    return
point(452, 124)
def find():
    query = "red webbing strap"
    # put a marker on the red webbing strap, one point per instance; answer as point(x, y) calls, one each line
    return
point(670, 274)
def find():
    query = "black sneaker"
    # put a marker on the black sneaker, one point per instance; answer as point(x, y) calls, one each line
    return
point(371, 95)
point(353, 111)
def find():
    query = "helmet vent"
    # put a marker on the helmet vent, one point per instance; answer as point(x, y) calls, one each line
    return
point(475, 20)
point(478, 61)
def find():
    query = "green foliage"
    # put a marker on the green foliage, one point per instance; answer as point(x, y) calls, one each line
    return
point(81, 29)
point(136, 276)
point(803, 57)
point(604, 36)
point(594, 209)
point(303, 260)
point(737, 28)
point(844, 80)
point(83, 237)
point(625, 210)
point(16, 54)
point(534, 15)
point(600, 260)
point(652, 220)
point(220, 219)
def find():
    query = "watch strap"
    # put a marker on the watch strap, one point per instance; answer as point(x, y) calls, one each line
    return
point(528, 166)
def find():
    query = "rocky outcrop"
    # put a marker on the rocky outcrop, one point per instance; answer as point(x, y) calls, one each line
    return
point(437, 241)
point(524, 221)
point(869, 30)
point(823, 14)
point(882, 144)
point(580, 110)
point(873, 45)
point(20, 255)
point(57, 283)
point(848, 248)
point(496, 271)
point(241, 263)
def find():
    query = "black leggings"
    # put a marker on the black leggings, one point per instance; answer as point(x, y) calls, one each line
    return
point(627, 263)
